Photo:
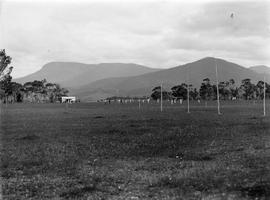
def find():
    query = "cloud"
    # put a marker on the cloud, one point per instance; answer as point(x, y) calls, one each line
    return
point(249, 18)
point(153, 33)
point(212, 30)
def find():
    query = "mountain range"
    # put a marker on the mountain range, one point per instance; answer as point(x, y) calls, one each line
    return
point(261, 69)
point(92, 82)
point(74, 75)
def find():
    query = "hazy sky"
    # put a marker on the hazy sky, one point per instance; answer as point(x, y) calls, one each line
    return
point(155, 33)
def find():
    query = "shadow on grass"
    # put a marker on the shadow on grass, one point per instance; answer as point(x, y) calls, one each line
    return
point(99, 117)
point(29, 138)
point(208, 183)
point(258, 190)
point(78, 192)
point(191, 156)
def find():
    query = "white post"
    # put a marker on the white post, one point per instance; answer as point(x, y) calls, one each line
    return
point(218, 104)
point(188, 93)
point(6, 101)
point(188, 100)
point(1, 146)
point(161, 97)
point(264, 112)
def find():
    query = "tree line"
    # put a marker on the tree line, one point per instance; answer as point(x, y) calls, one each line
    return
point(228, 90)
point(35, 91)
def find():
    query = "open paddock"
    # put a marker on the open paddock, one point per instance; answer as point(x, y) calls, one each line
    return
point(121, 151)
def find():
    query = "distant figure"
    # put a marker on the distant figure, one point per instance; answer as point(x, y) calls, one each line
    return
point(232, 15)
point(148, 100)
point(181, 101)
point(199, 101)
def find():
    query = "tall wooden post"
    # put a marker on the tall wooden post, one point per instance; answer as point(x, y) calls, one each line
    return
point(264, 110)
point(161, 98)
point(218, 103)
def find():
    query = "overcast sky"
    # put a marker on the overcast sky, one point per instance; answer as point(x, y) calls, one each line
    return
point(160, 33)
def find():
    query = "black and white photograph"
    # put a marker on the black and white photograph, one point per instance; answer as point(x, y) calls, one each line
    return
point(135, 99)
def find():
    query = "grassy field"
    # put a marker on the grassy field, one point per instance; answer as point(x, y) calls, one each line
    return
point(97, 151)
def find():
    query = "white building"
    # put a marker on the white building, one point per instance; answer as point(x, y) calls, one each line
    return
point(68, 99)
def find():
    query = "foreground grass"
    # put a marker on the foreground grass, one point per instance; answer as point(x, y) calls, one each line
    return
point(96, 151)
